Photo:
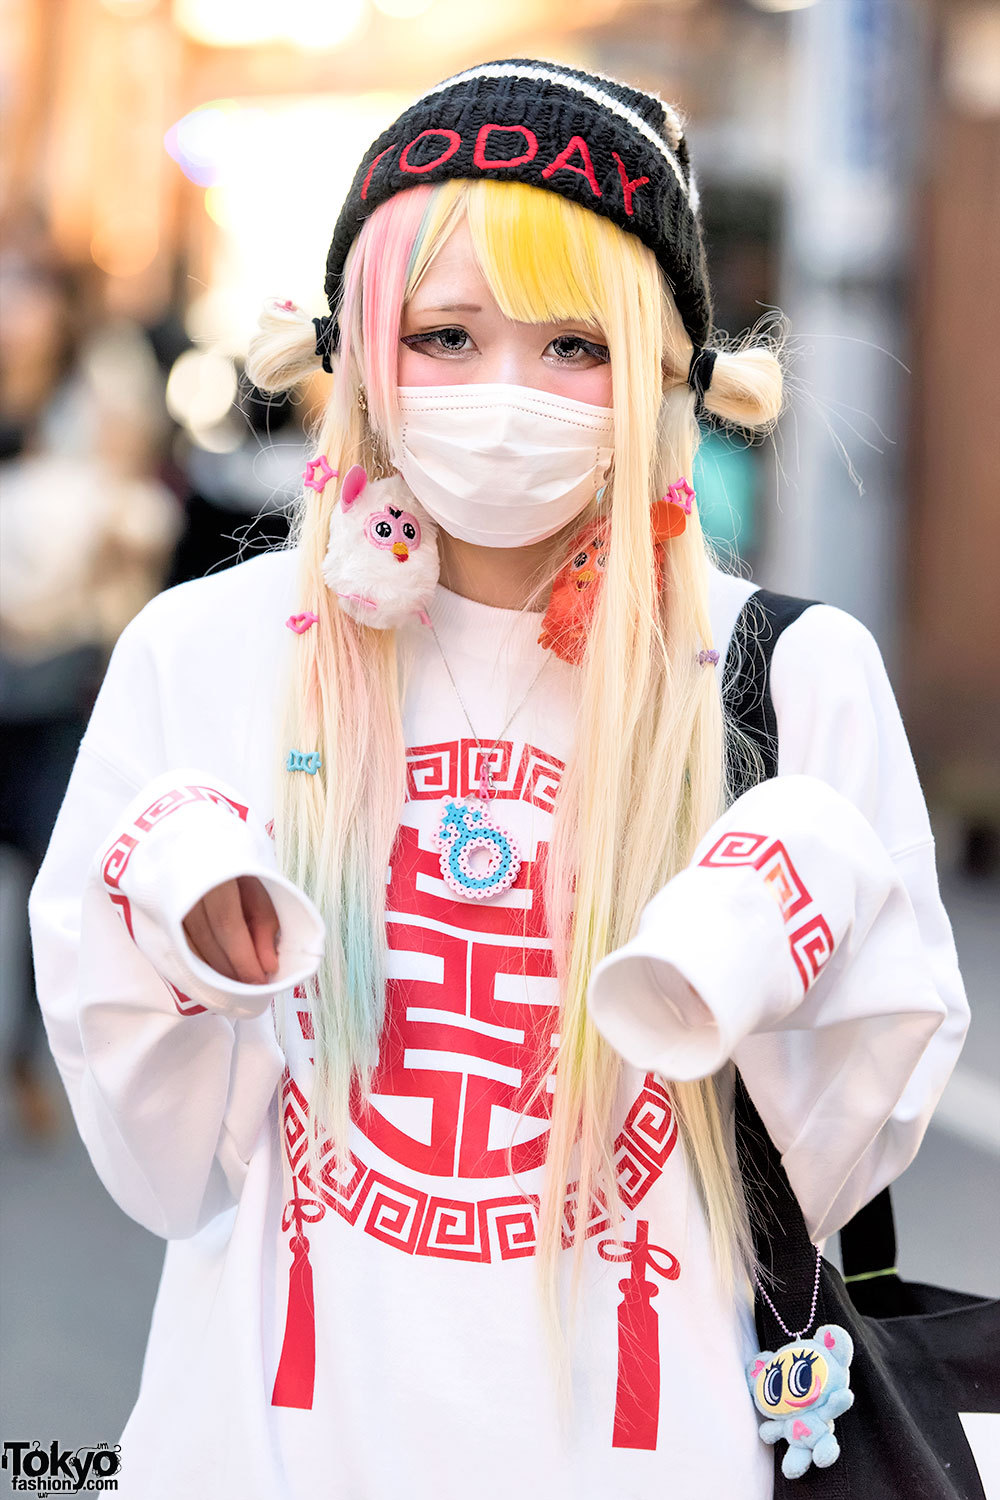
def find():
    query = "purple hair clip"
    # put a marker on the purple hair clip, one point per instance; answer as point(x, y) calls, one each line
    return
point(708, 658)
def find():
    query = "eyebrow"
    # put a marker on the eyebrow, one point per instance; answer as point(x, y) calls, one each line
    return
point(452, 307)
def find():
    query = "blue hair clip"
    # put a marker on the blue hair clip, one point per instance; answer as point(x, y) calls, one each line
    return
point(300, 760)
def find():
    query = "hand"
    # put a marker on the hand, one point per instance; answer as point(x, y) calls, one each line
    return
point(234, 929)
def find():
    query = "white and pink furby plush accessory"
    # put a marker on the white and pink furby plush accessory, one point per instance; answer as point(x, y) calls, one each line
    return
point(382, 558)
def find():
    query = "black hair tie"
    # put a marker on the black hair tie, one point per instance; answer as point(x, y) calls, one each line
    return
point(702, 364)
point(326, 340)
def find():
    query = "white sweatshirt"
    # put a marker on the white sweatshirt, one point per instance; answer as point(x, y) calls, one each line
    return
point(377, 1335)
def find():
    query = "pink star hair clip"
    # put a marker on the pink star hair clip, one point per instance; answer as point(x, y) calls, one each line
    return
point(287, 306)
point(680, 493)
point(321, 467)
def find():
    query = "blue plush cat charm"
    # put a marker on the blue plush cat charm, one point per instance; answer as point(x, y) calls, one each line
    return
point(800, 1389)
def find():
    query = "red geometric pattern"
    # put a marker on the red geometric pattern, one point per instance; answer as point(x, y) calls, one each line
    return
point(509, 1227)
point(122, 848)
point(538, 778)
point(344, 1190)
point(734, 849)
point(474, 1229)
point(471, 758)
point(783, 880)
point(394, 1212)
point(294, 1121)
point(453, 767)
point(452, 1229)
point(184, 1003)
point(811, 947)
point(598, 1218)
point(650, 1127)
point(812, 943)
point(116, 859)
point(432, 772)
point(124, 905)
point(182, 796)
point(635, 1172)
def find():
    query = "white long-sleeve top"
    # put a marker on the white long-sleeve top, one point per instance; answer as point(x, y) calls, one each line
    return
point(377, 1334)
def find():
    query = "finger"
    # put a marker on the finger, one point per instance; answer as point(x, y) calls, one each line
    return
point(262, 920)
point(225, 913)
point(199, 935)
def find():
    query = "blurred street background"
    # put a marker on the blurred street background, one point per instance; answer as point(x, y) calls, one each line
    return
point(166, 166)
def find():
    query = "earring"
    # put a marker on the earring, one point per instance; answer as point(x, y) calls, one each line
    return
point(362, 398)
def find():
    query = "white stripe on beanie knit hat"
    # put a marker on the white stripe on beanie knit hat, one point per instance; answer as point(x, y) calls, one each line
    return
point(589, 91)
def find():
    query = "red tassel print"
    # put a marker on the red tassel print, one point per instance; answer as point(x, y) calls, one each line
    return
point(293, 1384)
point(637, 1408)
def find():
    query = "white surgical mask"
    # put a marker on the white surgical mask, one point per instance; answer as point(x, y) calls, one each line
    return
point(501, 465)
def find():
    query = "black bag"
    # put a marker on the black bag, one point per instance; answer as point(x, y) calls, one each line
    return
point(921, 1354)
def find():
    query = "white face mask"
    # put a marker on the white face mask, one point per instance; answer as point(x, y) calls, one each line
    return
point(501, 465)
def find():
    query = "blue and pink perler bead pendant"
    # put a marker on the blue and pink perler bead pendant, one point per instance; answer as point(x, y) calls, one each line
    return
point(465, 830)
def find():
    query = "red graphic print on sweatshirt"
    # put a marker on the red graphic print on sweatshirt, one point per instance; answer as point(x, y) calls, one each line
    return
point(470, 1023)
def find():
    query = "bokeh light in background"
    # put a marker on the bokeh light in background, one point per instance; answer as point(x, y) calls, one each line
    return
point(201, 389)
point(778, 5)
point(130, 9)
point(249, 23)
point(274, 173)
point(403, 10)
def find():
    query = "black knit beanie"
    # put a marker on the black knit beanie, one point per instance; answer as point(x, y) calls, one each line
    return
point(611, 148)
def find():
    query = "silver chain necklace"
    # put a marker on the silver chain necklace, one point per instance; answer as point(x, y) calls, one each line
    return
point(466, 829)
point(485, 771)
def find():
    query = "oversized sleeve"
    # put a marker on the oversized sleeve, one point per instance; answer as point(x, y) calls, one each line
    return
point(806, 942)
point(170, 1068)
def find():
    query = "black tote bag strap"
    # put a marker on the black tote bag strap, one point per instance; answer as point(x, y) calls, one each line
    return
point(747, 679)
point(787, 1269)
point(782, 1246)
point(868, 1242)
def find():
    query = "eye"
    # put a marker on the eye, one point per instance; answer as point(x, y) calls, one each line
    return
point(771, 1389)
point(572, 348)
point(602, 560)
point(439, 341)
point(800, 1376)
point(580, 560)
point(409, 530)
point(382, 529)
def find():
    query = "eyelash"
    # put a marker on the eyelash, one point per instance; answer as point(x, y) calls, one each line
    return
point(433, 336)
point(415, 340)
point(599, 351)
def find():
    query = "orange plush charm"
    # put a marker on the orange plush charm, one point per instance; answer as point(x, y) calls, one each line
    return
point(574, 592)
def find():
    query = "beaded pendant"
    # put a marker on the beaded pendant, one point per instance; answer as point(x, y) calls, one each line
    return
point(467, 828)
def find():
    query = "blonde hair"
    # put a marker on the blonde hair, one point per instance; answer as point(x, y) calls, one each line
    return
point(650, 731)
